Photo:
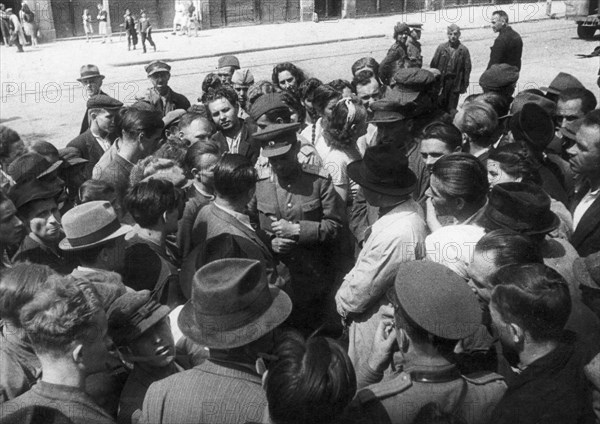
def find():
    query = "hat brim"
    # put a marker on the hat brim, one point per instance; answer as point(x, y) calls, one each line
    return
point(550, 90)
point(156, 71)
point(357, 172)
point(67, 246)
point(269, 153)
point(488, 222)
point(74, 161)
point(52, 168)
point(162, 312)
point(386, 120)
point(216, 338)
point(90, 77)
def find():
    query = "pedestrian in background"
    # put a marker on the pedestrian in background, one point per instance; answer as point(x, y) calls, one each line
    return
point(4, 25)
point(145, 29)
point(102, 22)
point(28, 20)
point(17, 37)
point(130, 30)
point(87, 25)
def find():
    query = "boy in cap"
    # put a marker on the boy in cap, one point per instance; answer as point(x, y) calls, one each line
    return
point(161, 96)
point(139, 328)
point(397, 55)
point(234, 312)
point(101, 133)
point(453, 60)
point(433, 309)
point(225, 68)
point(91, 79)
point(145, 30)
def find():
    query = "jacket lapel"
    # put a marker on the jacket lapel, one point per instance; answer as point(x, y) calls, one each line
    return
point(229, 219)
point(589, 221)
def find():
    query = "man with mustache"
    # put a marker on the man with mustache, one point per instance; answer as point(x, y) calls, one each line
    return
point(161, 96)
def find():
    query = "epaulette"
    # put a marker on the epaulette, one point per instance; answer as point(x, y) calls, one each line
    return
point(385, 389)
point(315, 170)
point(482, 378)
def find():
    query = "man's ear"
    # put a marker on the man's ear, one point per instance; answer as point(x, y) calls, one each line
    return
point(77, 353)
point(459, 203)
point(195, 172)
point(516, 333)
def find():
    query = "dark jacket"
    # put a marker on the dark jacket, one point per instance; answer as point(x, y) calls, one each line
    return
point(173, 101)
point(507, 48)
point(395, 59)
point(89, 149)
point(85, 124)
point(455, 66)
point(586, 237)
point(553, 389)
point(248, 147)
point(32, 251)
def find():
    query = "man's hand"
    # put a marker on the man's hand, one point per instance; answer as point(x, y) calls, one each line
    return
point(381, 351)
point(286, 229)
point(282, 245)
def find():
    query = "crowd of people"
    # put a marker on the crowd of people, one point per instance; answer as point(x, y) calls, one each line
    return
point(298, 251)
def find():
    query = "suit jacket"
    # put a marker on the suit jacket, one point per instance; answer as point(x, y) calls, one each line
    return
point(173, 101)
point(85, 124)
point(89, 149)
point(586, 237)
point(248, 147)
point(32, 251)
point(507, 48)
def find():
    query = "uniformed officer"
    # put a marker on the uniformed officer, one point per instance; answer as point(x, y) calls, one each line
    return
point(433, 310)
point(161, 96)
point(299, 209)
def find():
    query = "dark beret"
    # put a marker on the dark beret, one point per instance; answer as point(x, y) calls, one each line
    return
point(499, 76)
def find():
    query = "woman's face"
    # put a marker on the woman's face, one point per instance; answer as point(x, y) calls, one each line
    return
point(497, 176)
point(287, 80)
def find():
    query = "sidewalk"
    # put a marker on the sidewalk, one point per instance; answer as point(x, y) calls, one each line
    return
point(247, 39)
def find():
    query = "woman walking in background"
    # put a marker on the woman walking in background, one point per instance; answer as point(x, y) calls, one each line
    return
point(87, 25)
point(28, 21)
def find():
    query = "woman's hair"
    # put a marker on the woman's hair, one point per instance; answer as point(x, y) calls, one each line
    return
point(291, 68)
point(346, 114)
point(445, 132)
point(292, 101)
point(18, 286)
point(341, 84)
point(462, 175)
point(312, 380)
point(323, 94)
point(516, 162)
point(135, 120)
point(210, 82)
point(93, 190)
point(306, 90)
point(148, 200)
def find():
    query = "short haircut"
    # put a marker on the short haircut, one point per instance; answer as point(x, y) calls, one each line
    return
point(478, 121)
point(173, 150)
point(534, 296)
point(291, 68)
point(510, 247)
point(323, 95)
point(364, 77)
point(341, 84)
point(196, 150)
point(93, 190)
point(189, 117)
point(502, 14)
point(135, 120)
point(306, 90)
point(339, 126)
point(500, 103)
point(224, 92)
point(234, 176)
point(60, 315)
point(365, 62)
point(588, 100)
point(8, 136)
point(462, 175)
point(148, 200)
point(18, 286)
point(312, 380)
point(445, 132)
point(90, 255)
point(516, 161)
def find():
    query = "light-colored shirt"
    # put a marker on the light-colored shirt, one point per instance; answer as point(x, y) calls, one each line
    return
point(104, 143)
point(244, 219)
point(584, 205)
point(307, 133)
point(367, 140)
point(234, 143)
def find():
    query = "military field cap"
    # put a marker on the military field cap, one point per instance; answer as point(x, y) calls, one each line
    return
point(266, 103)
point(401, 28)
point(418, 26)
point(387, 111)
point(533, 125)
point(277, 139)
point(525, 97)
point(173, 117)
point(232, 304)
point(561, 82)
point(228, 60)
point(243, 77)
point(30, 166)
point(500, 75)
point(102, 101)
point(23, 193)
point(570, 130)
point(157, 66)
point(91, 224)
point(437, 299)
point(521, 207)
point(132, 314)
point(453, 27)
point(89, 71)
point(411, 82)
point(587, 270)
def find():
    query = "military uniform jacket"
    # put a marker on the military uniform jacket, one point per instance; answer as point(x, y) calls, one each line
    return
point(413, 50)
point(396, 53)
point(310, 200)
point(399, 399)
point(173, 101)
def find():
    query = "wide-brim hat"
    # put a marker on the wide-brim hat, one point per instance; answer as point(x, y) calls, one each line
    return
point(89, 71)
point(91, 224)
point(534, 125)
point(384, 169)
point(71, 156)
point(22, 193)
point(232, 305)
point(521, 207)
point(387, 111)
point(30, 166)
point(562, 82)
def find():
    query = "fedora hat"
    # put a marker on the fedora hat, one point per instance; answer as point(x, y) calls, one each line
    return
point(90, 225)
point(89, 71)
point(561, 82)
point(534, 125)
point(384, 169)
point(232, 305)
point(30, 166)
point(521, 207)
point(387, 111)
point(22, 193)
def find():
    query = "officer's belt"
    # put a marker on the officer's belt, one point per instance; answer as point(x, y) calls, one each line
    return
point(444, 376)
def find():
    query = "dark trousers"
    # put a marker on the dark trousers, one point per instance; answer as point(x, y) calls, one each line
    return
point(148, 37)
point(131, 39)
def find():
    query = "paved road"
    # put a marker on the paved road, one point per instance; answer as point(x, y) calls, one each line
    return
point(41, 99)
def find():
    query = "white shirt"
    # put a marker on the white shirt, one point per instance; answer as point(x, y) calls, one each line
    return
point(584, 205)
point(234, 143)
point(104, 143)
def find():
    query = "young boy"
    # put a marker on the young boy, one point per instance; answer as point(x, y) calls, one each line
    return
point(145, 30)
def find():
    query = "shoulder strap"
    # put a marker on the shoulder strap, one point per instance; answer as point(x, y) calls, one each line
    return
point(385, 389)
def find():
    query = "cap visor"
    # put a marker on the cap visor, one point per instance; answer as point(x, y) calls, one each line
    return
point(278, 151)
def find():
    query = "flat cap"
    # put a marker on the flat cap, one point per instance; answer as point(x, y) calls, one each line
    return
point(499, 76)
point(387, 111)
point(415, 25)
point(71, 156)
point(266, 103)
point(173, 117)
point(132, 314)
point(157, 66)
point(401, 27)
point(102, 101)
point(561, 82)
point(410, 82)
point(437, 299)
point(242, 76)
point(277, 139)
point(228, 60)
